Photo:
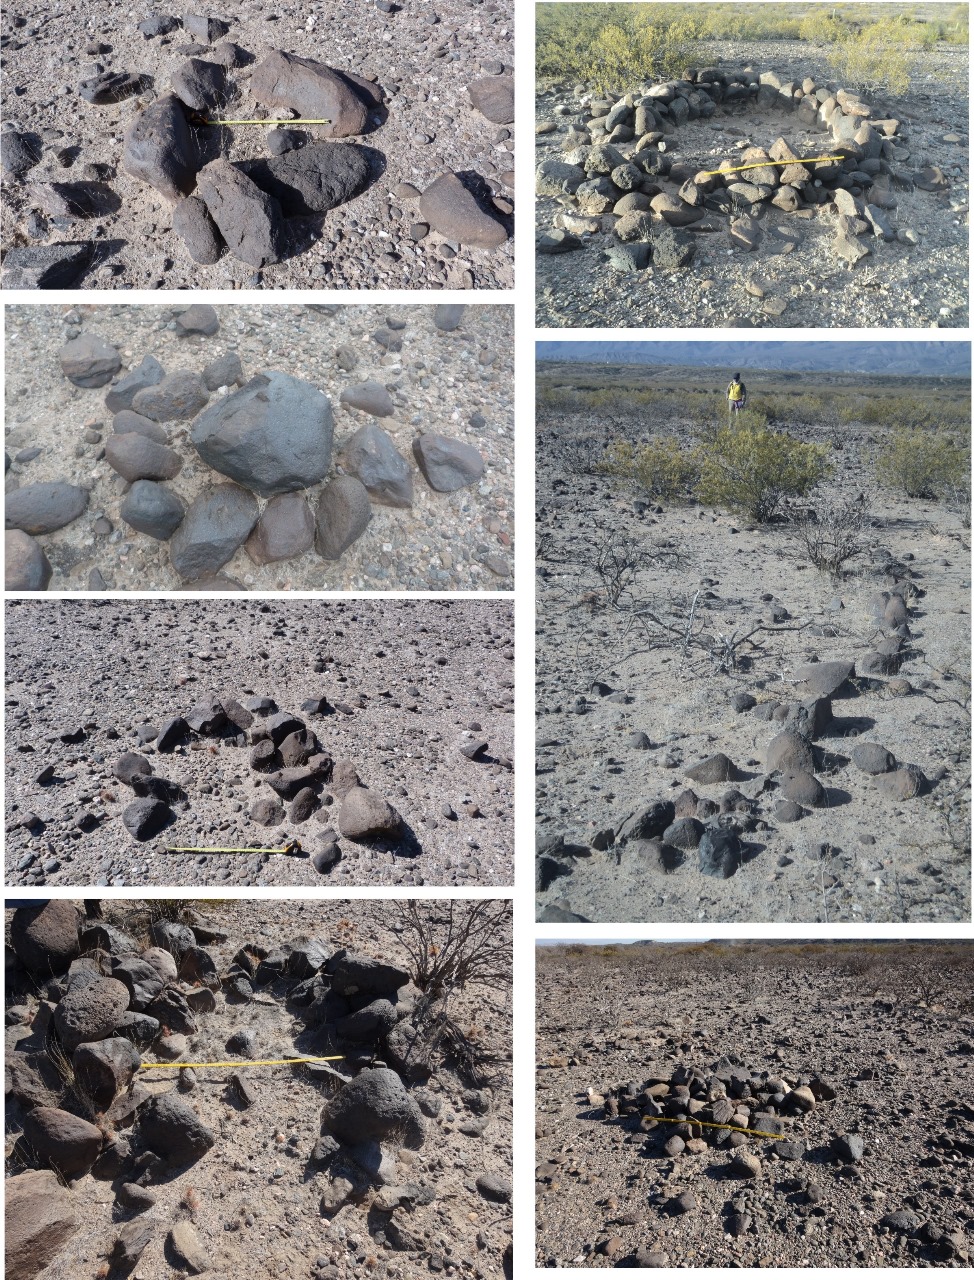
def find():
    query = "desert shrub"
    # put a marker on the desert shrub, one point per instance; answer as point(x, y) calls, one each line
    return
point(924, 464)
point(822, 26)
point(879, 57)
point(661, 468)
point(832, 533)
point(751, 470)
point(612, 47)
point(451, 942)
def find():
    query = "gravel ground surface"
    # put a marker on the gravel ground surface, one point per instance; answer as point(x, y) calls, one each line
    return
point(855, 1018)
point(259, 1202)
point(780, 285)
point(458, 383)
point(858, 853)
point(408, 685)
point(422, 56)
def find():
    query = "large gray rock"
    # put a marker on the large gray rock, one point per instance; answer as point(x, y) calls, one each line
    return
point(136, 457)
point(790, 752)
point(141, 978)
point(285, 529)
point(312, 179)
point(90, 1011)
point(191, 221)
point(249, 220)
point(127, 420)
point(67, 1143)
point(45, 938)
point(372, 1107)
point(105, 1068)
point(147, 374)
point(352, 973)
point(371, 456)
point(366, 817)
point(152, 509)
point(89, 361)
point(216, 523)
point(455, 212)
point(174, 398)
point(145, 817)
point(18, 152)
point(823, 679)
point(343, 515)
point(273, 435)
point(370, 397)
point(172, 1129)
point(42, 508)
point(315, 91)
point(201, 85)
point(26, 567)
point(159, 148)
point(447, 464)
point(448, 316)
point(40, 1219)
point(46, 266)
point(493, 97)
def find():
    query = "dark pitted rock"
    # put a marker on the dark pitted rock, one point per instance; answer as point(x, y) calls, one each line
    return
point(272, 435)
point(716, 768)
point(141, 979)
point(42, 508)
point(18, 152)
point(315, 91)
point(148, 373)
point(870, 757)
point(46, 266)
point(111, 86)
point(90, 1011)
point(171, 733)
point(343, 515)
point(159, 149)
point(719, 853)
point(217, 522)
point(447, 464)
point(64, 1141)
point(373, 1107)
point(811, 718)
point(367, 1025)
point(493, 97)
point(173, 938)
point(207, 717)
point(145, 818)
point(128, 764)
point(326, 857)
point(171, 1128)
point(127, 420)
point(285, 529)
point(280, 725)
point(458, 213)
point(26, 567)
point(371, 457)
point(303, 806)
point(902, 784)
point(158, 25)
point(352, 972)
point(135, 457)
point(191, 221)
point(200, 27)
point(366, 817)
point(313, 179)
point(198, 318)
point(648, 822)
point(249, 220)
point(224, 371)
point(45, 938)
point(823, 679)
point(448, 316)
point(848, 1148)
point(684, 833)
point(146, 784)
point(370, 397)
point(788, 811)
point(790, 752)
point(178, 396)
point(901, 1221)
point(40, 1218)
point(152, 510)
point(804, 788)
point(558, 241)
point(89, 361)
point(171, 1009)
point(105, 1068)
point(200, 85)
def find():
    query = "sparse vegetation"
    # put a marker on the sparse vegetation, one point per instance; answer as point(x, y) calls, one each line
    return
point(661, 469)
point(832, 532)
point(751, 470)
point(924, 464)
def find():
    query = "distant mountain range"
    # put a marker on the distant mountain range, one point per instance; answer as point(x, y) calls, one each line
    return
point(904, 359)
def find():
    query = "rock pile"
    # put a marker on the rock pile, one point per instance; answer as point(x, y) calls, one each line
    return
point(269, 438)
point(107, 1003)
point(617, 178)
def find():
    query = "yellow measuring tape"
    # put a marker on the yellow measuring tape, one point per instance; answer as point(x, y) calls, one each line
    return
point(274, 123)
point(293, 846)
point(773, 164)
point(257, 1062)
point(710, 1124)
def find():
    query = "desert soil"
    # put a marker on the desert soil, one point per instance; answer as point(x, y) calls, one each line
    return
point(439, 380)
point(423, 56)
point(608, 1195)
point(897, 285)
point(412, 678)
point(863, 857)
point(255, 1197)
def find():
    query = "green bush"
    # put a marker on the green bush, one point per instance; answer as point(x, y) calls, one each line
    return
point(661, 468)
point(750, 470)
point(924, 464)
point(880, 56)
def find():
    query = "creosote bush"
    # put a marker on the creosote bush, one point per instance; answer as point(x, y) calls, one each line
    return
point(661, 468)
point(750, 470)
point(831, 533)
point(924, 464)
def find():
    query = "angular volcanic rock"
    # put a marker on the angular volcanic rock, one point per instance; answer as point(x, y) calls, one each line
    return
point(447, 464)
point(313, 179)
point(249, 220)
point(316, 92)
point(159, 149)
point(216, 523)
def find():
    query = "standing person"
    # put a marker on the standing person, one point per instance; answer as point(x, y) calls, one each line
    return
point(736, 395)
